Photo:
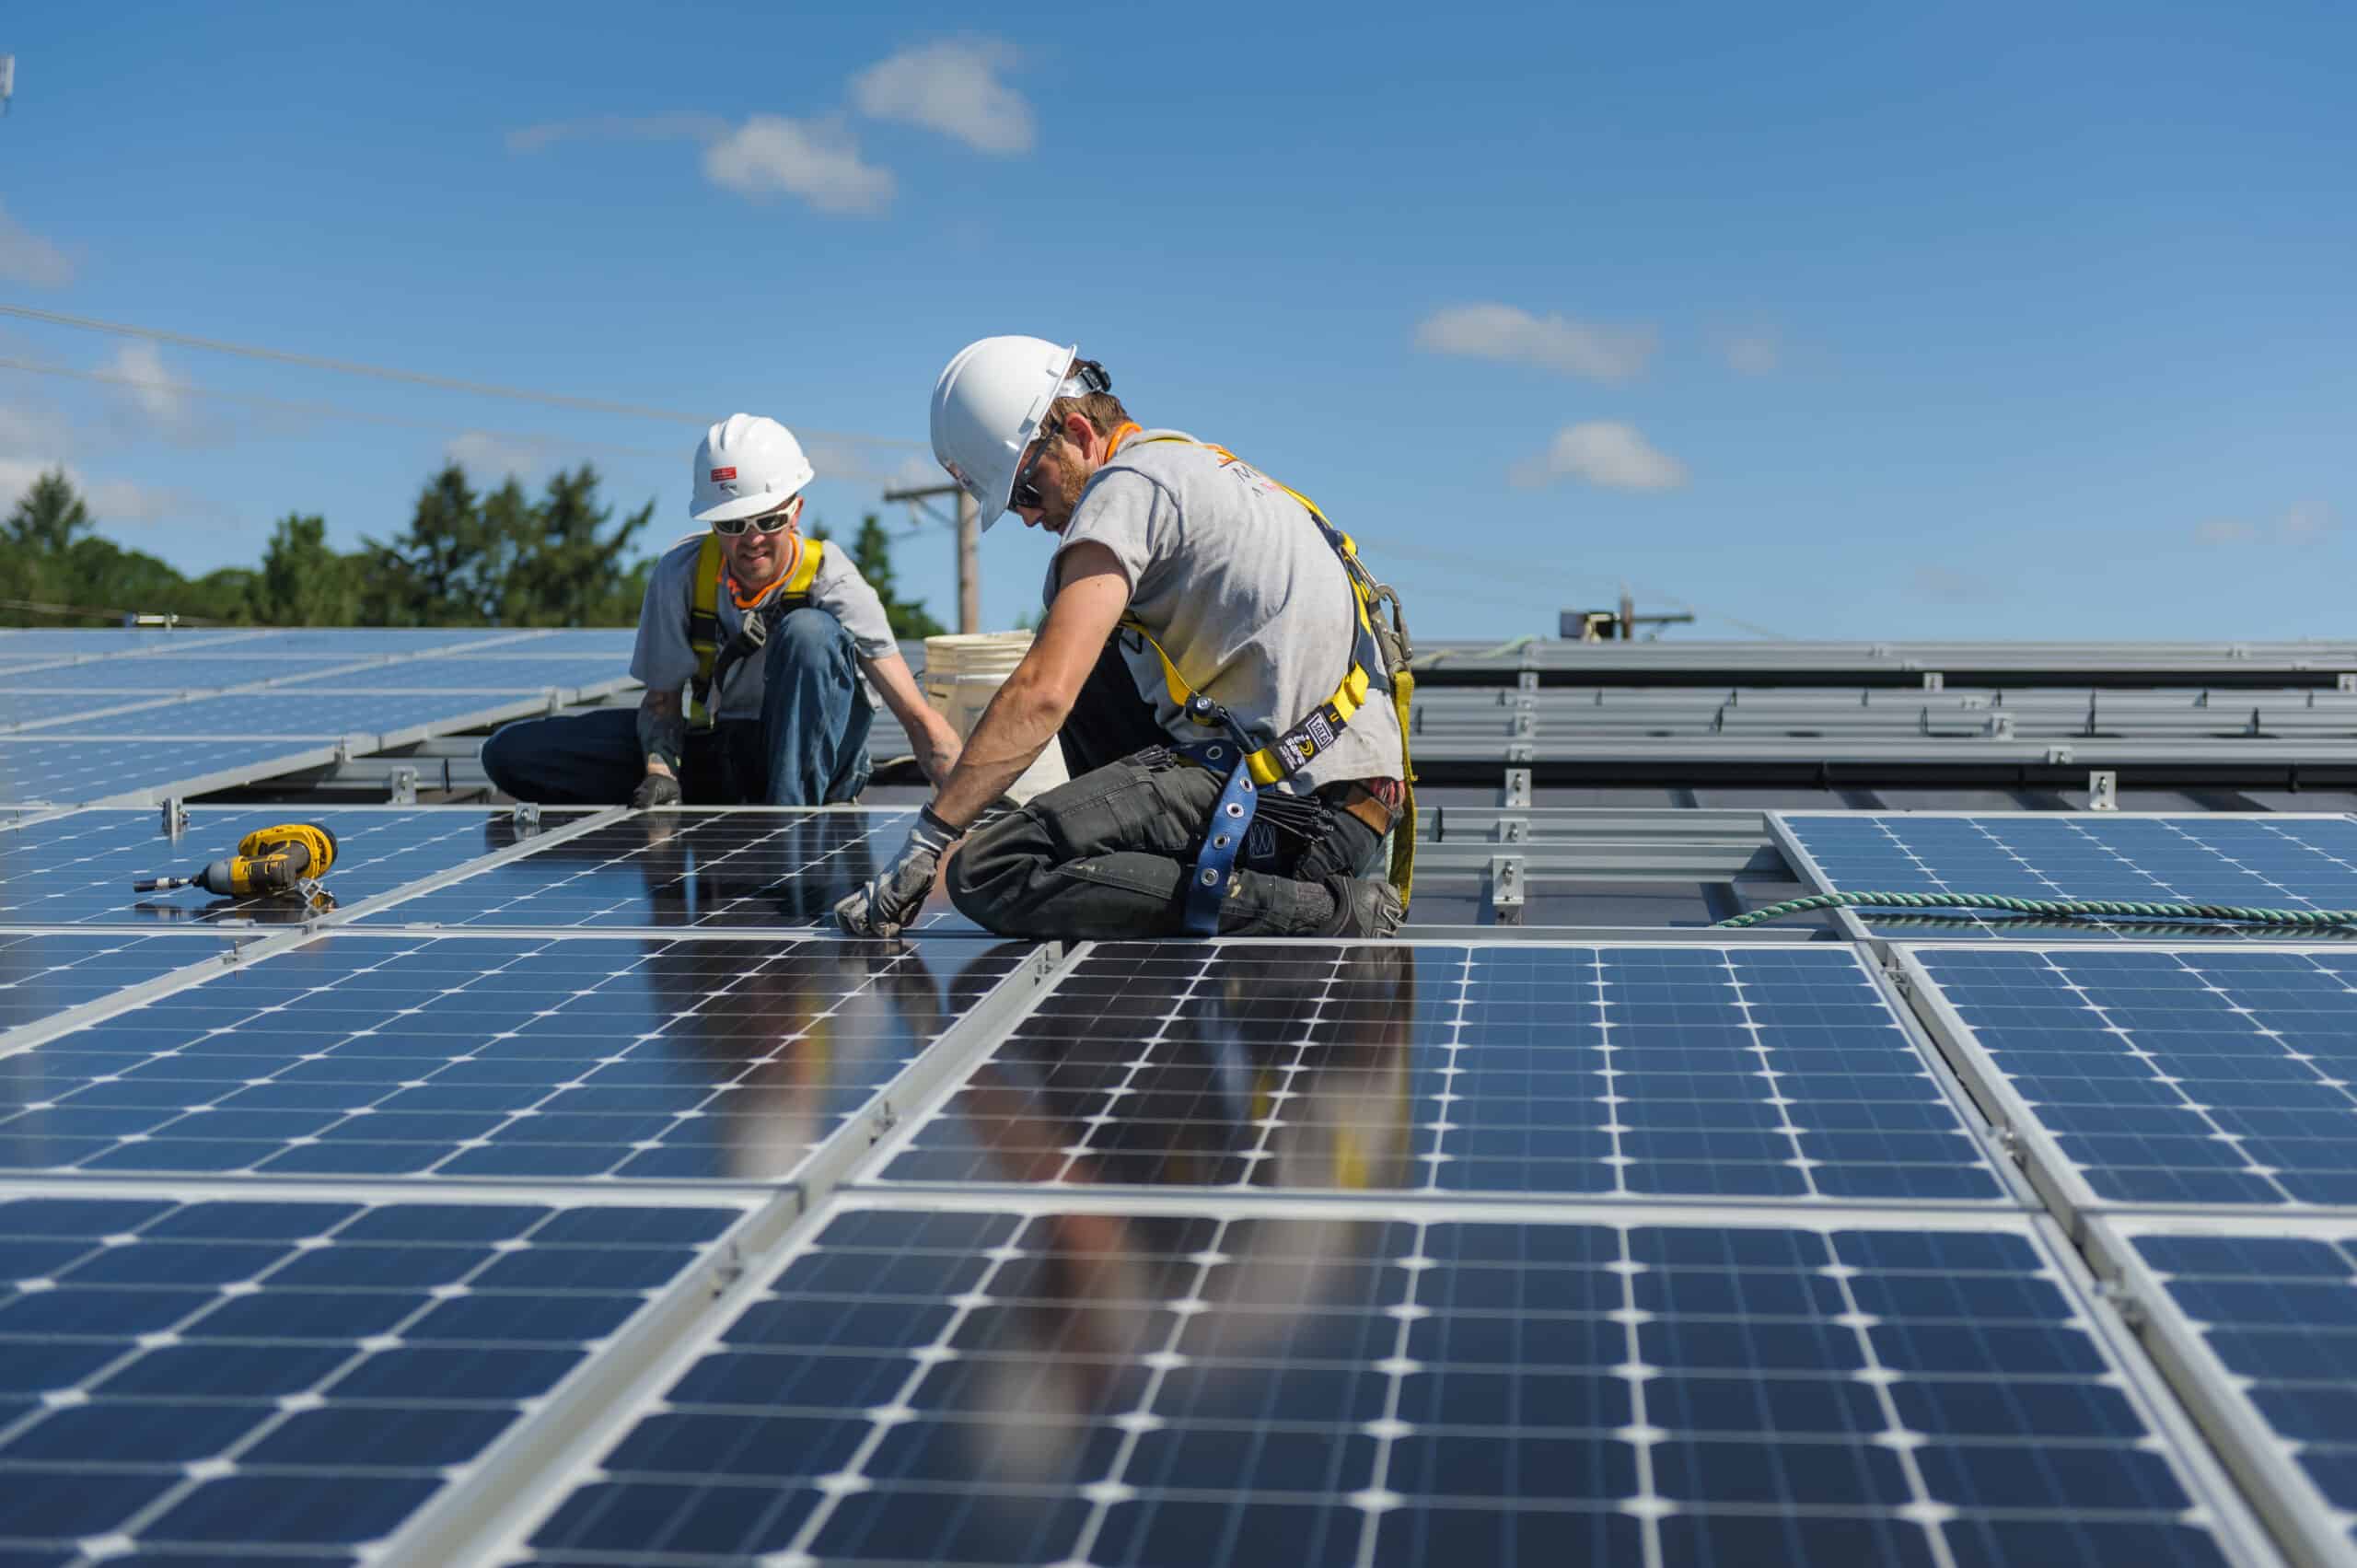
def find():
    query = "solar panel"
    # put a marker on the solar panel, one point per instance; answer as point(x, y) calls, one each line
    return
point(2271, 862)
point(2201, 1075)
point(19, 708)
point(1755, 1072)
point(297, 711)
point(529, 1058)
point(78, 868)
point(246, 1378)
point(43, 972)
point(705, 869)
point(574, 641)
point(70, 771)
point(66, 642)
point(1185, 1386)
point(167, 674)
point(484, 674)
point(369, 642)
point(2263, 1322)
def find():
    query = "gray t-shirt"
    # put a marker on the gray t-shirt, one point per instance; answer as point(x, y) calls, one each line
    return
point(1242, 591)
point(665, 662)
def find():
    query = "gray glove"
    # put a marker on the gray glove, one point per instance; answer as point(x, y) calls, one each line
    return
point(892, 898)
point(655, 789)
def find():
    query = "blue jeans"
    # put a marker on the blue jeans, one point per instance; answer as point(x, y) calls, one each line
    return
point(809, 746)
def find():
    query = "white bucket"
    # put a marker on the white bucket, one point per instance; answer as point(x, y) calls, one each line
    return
point(962, 673)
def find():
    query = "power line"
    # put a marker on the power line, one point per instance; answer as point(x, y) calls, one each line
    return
point(370, 416)
point(411, 377)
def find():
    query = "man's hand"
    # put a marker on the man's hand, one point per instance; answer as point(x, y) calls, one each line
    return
point(658, 788)
point(892, 900)
point(938, 755)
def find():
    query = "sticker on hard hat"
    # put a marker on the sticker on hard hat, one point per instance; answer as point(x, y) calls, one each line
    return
point(719, 474)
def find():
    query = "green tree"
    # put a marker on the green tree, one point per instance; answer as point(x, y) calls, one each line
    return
point(302, 582)
point(871, 551)
point(436, 573)
point(568, 569)
point(49, 516)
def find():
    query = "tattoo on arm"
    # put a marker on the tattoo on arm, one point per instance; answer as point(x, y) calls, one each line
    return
point(662, 732)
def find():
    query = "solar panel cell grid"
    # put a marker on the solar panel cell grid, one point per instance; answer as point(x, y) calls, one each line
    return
point(2268, 862)
point(1132, 1389)
point(247, 1378)
point(291, 711)
point(71, 771)
point(2279, 1313)
point(45, 972)
point(77, 869)
point(128, 680)
point(2207, 1076)
point(535, 1058)
point(473, 673)
point(1761, 1073)
point(700, 869)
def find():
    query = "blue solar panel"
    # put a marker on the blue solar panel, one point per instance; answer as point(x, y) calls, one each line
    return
point(18, 708)
point(299, 712)
point(43, 972)
point(1740, 1072)
point(367, 642)
point(2209, 1076)
point(76, 869)
point(2296, 863)
point(701, 869)
point(247, 1378)
point(526, 1058)
point(1130, 1388)
point(167, 674)
point(68, 772)
point(2280, 1312)
point(65, 642)
point(484, 674)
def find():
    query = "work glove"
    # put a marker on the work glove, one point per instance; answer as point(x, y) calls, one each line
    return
point(891, 899)
point(655, 789)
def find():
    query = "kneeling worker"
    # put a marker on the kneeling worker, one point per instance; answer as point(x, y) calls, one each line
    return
point(767, 632)
point(1212, 656)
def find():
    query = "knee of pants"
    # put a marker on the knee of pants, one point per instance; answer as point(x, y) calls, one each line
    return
point(806, 636)
point(497, 753)
point(981, 869)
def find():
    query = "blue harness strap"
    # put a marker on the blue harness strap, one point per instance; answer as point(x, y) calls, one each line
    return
point(1224, 839)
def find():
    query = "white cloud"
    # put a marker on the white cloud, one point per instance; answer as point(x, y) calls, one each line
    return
point(681, 126)
point(951, 87)
point(27, 257)
point(2302, 524)
point(1754, 352)
point(1602, 452)
point(150, 389)
point(489, 458)
point(1514, 336)
point(816, 160)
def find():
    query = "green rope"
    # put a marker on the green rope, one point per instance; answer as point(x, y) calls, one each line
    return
point(2059, 909)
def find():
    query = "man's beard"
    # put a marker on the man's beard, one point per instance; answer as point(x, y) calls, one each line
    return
point(1060, 496)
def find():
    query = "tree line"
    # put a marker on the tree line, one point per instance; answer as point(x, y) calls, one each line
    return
point(501, 557)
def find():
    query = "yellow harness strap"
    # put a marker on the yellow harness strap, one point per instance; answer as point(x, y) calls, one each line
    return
point(793, 592)
point(1275, 763)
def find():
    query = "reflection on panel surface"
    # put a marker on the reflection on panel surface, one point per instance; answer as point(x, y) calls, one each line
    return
point(247, 1378)
point(2288, 862)
point(2209, 1076)
point(1753, 1072)
point(1186, 1387)
point(46, 971)
point(531, 1058)
point(67, 773)
point(704, 869)
point(77, 869)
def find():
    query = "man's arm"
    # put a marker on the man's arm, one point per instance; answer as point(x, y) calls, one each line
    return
point(1028, 710)
point(662, 731)
point(936, 744)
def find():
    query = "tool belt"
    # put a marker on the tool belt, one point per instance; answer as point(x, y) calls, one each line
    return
point(1379, 661)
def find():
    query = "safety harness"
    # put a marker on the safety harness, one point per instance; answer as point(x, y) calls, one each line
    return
point(1379, 656)
point(716, 658)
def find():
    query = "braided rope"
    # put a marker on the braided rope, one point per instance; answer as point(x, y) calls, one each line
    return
point(2059, 909)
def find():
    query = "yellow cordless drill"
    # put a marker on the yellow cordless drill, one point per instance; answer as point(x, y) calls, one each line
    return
point(269, 860)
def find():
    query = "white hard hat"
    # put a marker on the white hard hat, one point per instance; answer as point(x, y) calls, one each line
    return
point(747, 465)
point(987, 406)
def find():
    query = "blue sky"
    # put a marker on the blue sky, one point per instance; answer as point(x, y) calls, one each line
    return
point(1897, 320)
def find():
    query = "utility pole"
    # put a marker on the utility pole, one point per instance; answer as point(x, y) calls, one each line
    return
point(969, 546)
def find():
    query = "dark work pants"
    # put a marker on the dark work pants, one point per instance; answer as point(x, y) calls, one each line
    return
point(1110, 855)
point(809, 746)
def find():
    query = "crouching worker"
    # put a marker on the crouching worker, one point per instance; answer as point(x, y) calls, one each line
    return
point(1212, 661)
point(766, 632)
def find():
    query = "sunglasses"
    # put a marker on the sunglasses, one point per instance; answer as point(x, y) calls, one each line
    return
point(1025, 494)
point(769, 522)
